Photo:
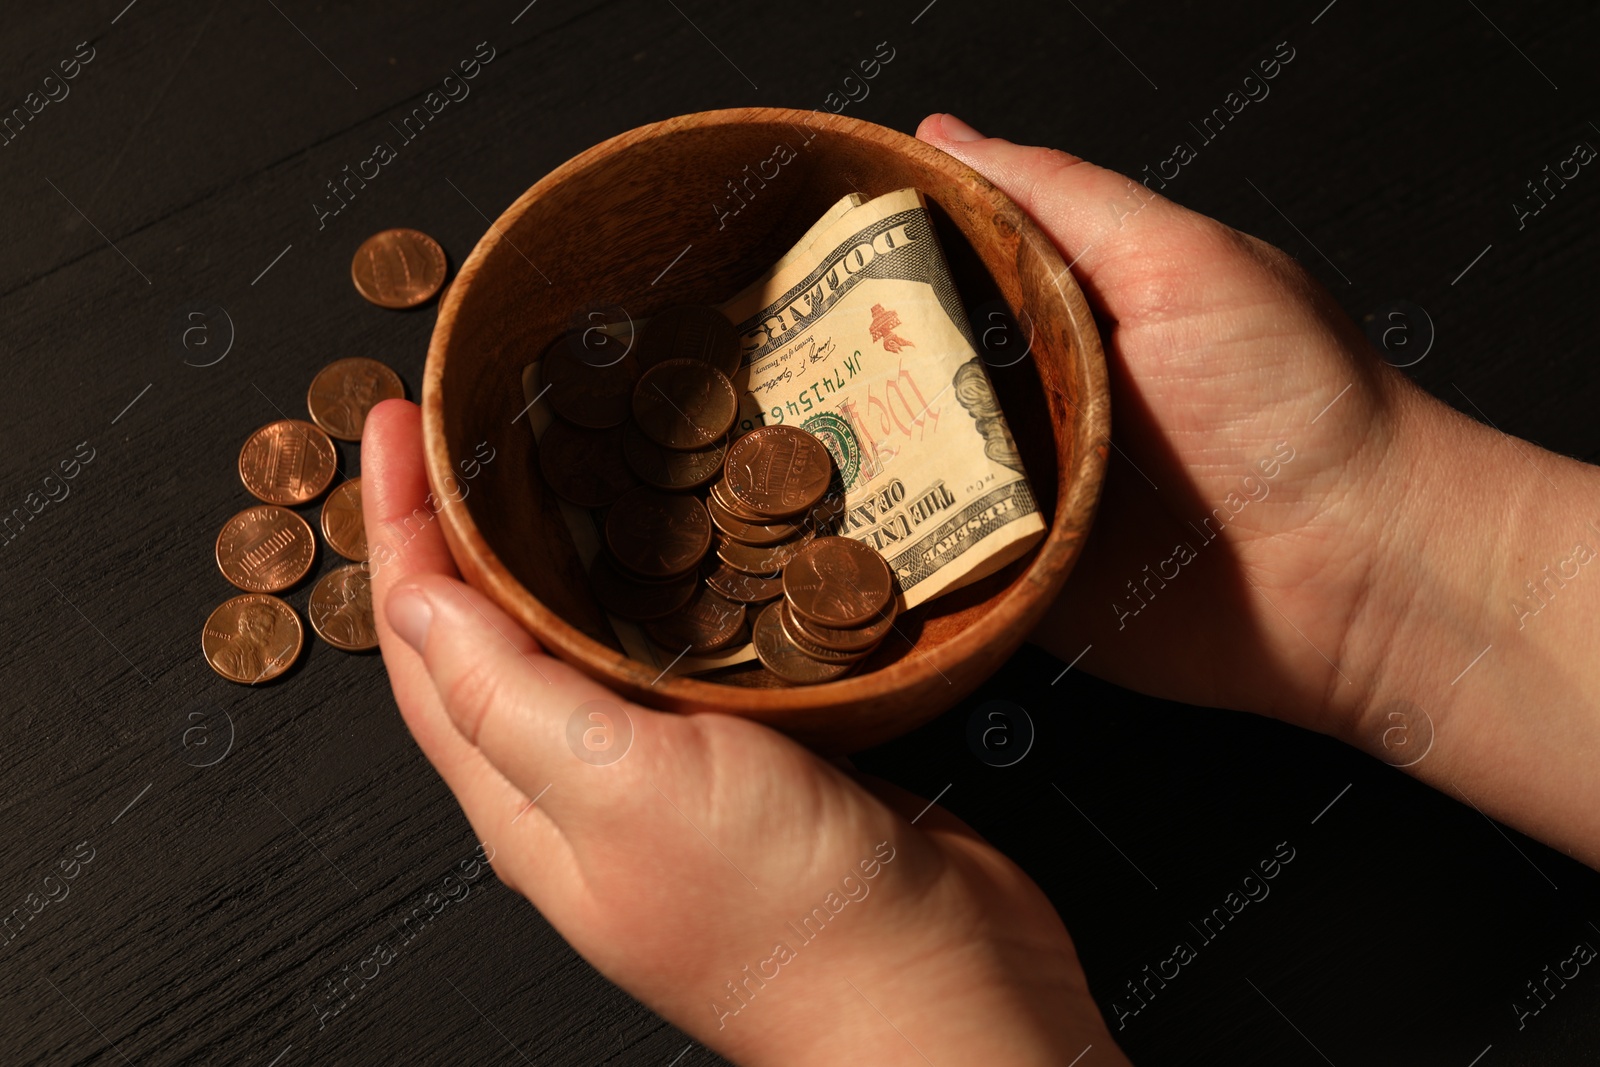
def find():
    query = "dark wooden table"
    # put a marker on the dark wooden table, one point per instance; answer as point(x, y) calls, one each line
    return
point(240, 852)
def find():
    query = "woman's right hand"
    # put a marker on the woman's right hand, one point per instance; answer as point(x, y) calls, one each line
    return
point(1291, 527)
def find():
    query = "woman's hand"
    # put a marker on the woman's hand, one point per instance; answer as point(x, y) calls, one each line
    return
point(774, 907)
point(1291, 527)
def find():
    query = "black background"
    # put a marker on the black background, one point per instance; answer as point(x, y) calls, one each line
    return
point(221, 899)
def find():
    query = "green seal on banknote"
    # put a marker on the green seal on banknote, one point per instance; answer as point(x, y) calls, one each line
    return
point(835, 433)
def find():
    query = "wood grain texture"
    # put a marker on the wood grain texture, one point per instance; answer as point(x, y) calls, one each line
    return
point(214, 913)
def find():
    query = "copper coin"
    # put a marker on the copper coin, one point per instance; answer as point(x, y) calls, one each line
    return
point(719, 492)
point(345, 390)
point(596, 395)
point(684, 404)
point(629, 598)
point(827, 514)
point(658, 535)
point(341, 608)
point(398, 268)
point(342, 525)
point(852, 639)
point(778, 471)
point(584, 466)
point(265, 548)
point(748, 533)
point(745, 588)
point(690, 332)
point(838, 582)
point(817, 652)
point(666, 469)
point(252, 638)
point(707, 623)
point(761, 559)
point(780, 655)
point(287, 462)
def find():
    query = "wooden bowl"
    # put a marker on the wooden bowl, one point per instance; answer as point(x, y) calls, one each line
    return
point(644, 221)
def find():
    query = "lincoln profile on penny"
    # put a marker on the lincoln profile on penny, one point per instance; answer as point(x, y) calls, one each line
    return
point(246, 655)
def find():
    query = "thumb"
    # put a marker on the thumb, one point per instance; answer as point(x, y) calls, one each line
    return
point(1110, 229)
point(516, 705)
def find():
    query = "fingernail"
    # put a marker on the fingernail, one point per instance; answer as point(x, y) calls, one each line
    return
point(956, 130)
point(410, 613)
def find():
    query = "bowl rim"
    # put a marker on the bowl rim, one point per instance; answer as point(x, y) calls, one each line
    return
point(1078, 488)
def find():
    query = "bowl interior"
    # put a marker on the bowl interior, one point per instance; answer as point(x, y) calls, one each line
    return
point(690, 211)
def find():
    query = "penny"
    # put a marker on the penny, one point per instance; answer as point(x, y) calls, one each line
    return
point(761, 559)
point(817, 652)
point(629, 598)
point(342, 525)
point(719, 493)
point(684, 404)
point(707, 623)
point(826, 513)
point(666, 469)
point(780, 655)
point(852, 639)
point(252, 638)
point(265, 548)
point(345, 390)
point(398, 268)
point(745, 588)
point(596, 395)
point(658, 535)
point(585, 467)
point(748, 533)
point(287, 462)
point(778, 471)
point(341, 608)
point(690, 332)
point(838, 582)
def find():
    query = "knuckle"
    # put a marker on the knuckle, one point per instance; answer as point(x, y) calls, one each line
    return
point(471, 693)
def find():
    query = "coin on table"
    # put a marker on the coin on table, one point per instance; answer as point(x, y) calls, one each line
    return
point(657, 535)
point(398, 268)
point(585, 467)
point(817, 652)
point(345, 390)
point(690, 332)
point(684, 404)
point(745, 588)
point(252, 638)
point(341, 608)
point(838, 582)
point(287, 462)
point(848, 639)
point(778, 471)
point(265, 548)
point(596, 395)
point(707, 623)
point(630, 598)
point(780, 655)
point(668, 469)
point(761, 559)
point(749, 533)
point(342, 525)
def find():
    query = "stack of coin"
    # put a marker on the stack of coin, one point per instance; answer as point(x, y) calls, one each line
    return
point(702, 524)
point(838, 605)
point(268, 548)
point(639, 431)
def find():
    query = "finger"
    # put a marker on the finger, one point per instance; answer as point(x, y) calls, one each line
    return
point(920, 812)
point(1110, 228)
point(517, 705)
point(404, 542)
